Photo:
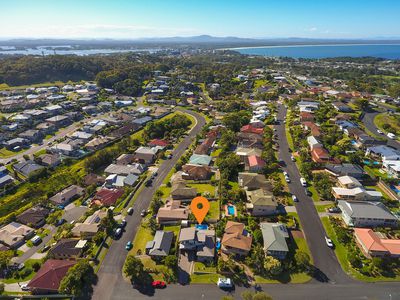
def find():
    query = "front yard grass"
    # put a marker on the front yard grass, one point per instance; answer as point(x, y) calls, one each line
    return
point(204, 278)
point(142, 237)
point(314, 193)
point(5, 153)
point(28, 265)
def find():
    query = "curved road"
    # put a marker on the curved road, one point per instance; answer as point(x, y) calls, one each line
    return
point(368, 120)
point(112, 286)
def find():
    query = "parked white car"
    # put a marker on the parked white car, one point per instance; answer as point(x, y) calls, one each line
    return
point(224, 283)
point(303, 182)
point(379, 131)
point(391, 136)
point(329, 242)
point(295, 198)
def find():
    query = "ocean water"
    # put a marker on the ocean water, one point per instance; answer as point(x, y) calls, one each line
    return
point(325, 51)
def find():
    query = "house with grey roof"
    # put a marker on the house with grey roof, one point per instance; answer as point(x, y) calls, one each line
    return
point(161, 244)
point(200, 241)
point(125, 170)
point(26, 168)
point(274, 236)
point(367, 214)
point(345, 170)
point(199, 159)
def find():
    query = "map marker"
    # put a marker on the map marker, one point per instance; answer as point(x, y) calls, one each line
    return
point(199, 208)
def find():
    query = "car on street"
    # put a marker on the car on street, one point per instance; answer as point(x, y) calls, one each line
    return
point(225, 283)
point(295, 198)
point(154, 174)
point(158, 284)
point(169, 156)
point(308, 192)
point(143, 213)
point(287, 179)
point(128, 245)
point(379, 131)
point(123, 223)
point(130, 211)
point(303, 182)
point(285, 174)
point(60, 222)
point(149, 182)
point(329, 242)
point(292, 158)
point(117, 232)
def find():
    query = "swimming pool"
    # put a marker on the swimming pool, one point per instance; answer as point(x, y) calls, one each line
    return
point(231, 210)
point(202, 227)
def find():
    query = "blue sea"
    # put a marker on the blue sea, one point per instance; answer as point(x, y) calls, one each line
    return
point(325, 51)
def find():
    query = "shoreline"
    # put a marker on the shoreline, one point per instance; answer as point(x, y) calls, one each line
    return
point(305, 45)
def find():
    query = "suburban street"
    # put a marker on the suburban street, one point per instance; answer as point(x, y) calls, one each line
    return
point(110, 282)
point(61, 134)
point(324, 258)
point(368, 120)
point(331, 282)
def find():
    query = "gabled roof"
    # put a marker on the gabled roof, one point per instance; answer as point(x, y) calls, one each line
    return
point(108, 197)
point(253, 181)
point(50, 275)
point(274, 236)
point(34, 215)
point(261, 197)
point(67, 247)
point(161, 243)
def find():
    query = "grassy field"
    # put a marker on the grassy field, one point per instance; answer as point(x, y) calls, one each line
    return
point(4, 86)
point(5, 153)
point(314, 193)
point(392, 120)
point(323, 208)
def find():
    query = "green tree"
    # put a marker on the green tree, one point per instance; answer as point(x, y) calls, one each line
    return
point(79, 279)
point(134, 269)
point(108, 223)
point(272, 266)
point(5, 258)
point(171, 261)
point(302, 260)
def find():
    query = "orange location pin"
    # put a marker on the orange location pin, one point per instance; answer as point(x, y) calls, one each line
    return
point(199, 208)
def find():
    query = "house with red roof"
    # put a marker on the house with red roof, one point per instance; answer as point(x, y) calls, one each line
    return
point(321, 155)
point(315, 131)
point(107, 197)
point(254, 164)
point(306, 117)
point(251, 129)
point(47, 280)
point(376, 244)
point(158, 142)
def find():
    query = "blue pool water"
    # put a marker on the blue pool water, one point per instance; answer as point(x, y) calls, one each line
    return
point(389, 51)
point(218, 246)
point(231, 210)
point(202, 227)
point(395, 189)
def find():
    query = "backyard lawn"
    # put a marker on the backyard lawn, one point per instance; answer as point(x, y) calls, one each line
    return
point(204, 188)
point(25, 274)
point(392, 120)
point(213, 213)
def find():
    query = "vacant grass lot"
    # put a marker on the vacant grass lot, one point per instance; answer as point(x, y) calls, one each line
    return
point(392, 120)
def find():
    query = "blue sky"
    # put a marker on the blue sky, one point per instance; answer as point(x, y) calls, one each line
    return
point(123, 19)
